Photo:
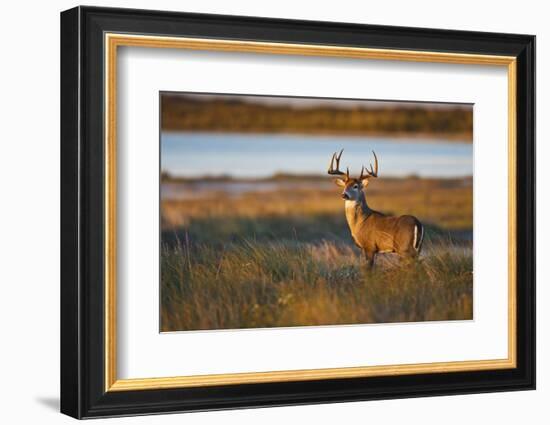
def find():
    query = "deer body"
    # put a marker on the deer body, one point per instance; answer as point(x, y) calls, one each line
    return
point(375, 232)
point(371, 230)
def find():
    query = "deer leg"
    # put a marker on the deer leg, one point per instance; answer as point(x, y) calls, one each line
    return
point(369, 257)
point(408, 257)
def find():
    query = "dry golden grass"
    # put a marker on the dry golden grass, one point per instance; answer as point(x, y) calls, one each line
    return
point(285, 258)
point(445, 203)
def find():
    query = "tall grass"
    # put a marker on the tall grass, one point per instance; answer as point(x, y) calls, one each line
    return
point(249, 284)
point(286, 259)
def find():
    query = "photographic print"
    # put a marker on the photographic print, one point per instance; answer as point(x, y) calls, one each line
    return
point(286, 211)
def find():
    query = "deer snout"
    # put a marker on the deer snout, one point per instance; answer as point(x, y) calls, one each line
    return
point(345, 196)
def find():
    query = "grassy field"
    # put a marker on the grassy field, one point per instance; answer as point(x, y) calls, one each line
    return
point(284, 256)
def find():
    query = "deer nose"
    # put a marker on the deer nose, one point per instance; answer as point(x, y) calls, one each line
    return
point(345, 196)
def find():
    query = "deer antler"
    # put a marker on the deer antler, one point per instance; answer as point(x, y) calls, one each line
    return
point(336, 172)
point(371, 172)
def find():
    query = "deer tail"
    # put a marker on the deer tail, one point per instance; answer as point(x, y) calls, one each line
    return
point(418, 236)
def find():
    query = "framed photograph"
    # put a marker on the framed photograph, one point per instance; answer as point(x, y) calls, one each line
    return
point(261, 212)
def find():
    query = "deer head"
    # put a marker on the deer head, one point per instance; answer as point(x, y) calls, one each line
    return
point(353, 187)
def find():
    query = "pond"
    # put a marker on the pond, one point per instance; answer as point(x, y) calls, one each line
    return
point(263, 155)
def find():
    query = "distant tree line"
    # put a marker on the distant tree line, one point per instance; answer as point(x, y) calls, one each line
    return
point(184, 113)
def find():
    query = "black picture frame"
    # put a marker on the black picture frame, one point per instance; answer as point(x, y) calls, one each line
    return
point(82, 218)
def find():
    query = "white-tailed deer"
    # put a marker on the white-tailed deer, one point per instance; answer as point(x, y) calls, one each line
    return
point(371, 230)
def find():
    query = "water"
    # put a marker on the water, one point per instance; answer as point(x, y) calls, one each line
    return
point(262, 155)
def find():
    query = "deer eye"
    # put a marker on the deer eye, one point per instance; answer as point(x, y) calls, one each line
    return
point(355, 186)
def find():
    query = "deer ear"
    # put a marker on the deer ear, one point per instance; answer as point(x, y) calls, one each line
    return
point(339, 182)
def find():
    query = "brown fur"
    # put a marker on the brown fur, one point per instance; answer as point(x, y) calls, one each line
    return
point(375, 232)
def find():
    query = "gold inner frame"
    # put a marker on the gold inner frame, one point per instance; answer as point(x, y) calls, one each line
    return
point(113, 41)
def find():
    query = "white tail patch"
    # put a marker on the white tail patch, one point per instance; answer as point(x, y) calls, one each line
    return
point(418, 240)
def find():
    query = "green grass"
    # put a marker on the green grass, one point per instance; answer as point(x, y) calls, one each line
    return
point(251, 284)
point(286, 259)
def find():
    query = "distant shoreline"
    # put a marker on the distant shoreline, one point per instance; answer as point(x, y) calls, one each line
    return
point(282, 177)
point(400, 136)
point(234, 114)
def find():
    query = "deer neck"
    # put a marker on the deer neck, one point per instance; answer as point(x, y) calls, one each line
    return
point(357, 212)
